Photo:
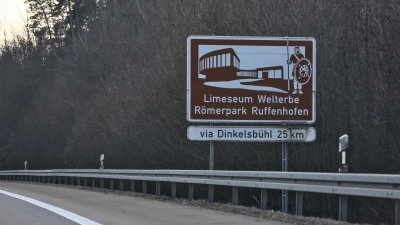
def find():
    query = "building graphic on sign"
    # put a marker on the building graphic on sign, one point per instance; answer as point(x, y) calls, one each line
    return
point(222, 68)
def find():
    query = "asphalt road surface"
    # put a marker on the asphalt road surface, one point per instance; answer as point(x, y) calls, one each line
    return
point(33, 204)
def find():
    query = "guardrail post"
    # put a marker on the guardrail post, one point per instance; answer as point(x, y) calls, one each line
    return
point(78, 181)
point(158, 188)
point(85, 181)
point(65, 180)
point(299, 203)
point(48, 180)
point(132, 186)
point(263, 200)
point(144, 187)
point(54, 180)
point(93, 182)
point(26, 178)
point(210, 193)
point(101, 183)
point(173, 190)
point(235, 195)
point(111, 184)
point(72, 181)
point(121, 185)
point(343, 208)
point(397, 209)
point(190, 192)
point(59, 180)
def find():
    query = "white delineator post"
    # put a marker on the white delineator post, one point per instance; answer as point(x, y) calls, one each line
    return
point(101, 161)
point(343, 150)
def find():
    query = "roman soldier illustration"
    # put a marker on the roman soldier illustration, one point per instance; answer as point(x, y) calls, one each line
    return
point(301, 70)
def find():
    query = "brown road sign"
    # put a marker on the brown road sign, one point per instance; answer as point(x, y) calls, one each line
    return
point(251, 79)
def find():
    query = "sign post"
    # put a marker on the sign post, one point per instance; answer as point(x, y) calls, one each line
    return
point(26, 165)
point(267, 80)
point(284, 169)
point(211, 167)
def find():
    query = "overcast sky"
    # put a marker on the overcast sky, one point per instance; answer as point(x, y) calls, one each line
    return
point(12, 17)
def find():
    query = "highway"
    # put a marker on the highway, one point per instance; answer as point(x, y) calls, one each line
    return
point(35, 204)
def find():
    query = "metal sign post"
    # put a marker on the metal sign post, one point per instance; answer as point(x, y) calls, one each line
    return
point(26, 165)
point(211, 167)
point(284, 169)
point(101, 161)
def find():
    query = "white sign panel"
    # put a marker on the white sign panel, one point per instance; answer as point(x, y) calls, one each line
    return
point(255, 134)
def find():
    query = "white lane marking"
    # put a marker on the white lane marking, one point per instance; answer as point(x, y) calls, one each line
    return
point(64, 213)
point(240, 84)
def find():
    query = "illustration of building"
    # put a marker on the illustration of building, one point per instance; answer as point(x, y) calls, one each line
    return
point(224, 65)
point(219, 65)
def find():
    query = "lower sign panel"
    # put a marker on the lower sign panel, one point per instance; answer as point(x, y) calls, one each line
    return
point(255, 134)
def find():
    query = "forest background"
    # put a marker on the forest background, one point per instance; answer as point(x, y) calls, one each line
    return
point(91, 77)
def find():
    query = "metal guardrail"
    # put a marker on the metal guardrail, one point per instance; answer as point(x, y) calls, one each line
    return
point(368, 185)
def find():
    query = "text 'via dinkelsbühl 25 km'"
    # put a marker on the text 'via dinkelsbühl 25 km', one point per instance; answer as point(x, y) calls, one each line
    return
point(261, 134)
